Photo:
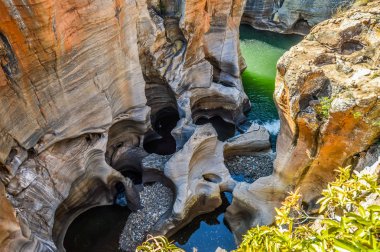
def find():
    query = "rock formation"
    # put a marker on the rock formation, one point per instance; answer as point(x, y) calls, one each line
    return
point(89, 87)
point(83, 82)
point(197, 175)
point(327, 93)
point(289, 16)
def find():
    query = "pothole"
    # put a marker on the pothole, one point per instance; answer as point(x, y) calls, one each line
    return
point(224, 129)
point(208, 231)
point(163, 143)
point(97, 229)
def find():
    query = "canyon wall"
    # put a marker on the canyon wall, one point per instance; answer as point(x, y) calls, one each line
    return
point(289, 16)
point(82, 82)
point(328, 97)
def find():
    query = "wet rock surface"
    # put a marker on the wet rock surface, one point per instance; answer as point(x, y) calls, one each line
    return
point(156, 200)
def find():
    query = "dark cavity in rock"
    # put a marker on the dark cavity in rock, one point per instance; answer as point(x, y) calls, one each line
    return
point(97, 229)
point(350, 47)
point(162, 143)
point(8, 60)
point(224, 129)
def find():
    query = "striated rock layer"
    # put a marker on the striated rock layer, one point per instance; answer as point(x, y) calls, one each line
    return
point(84, 82)
point(289, 16)
point(328, 97)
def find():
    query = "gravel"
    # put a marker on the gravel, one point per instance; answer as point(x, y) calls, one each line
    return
point(156, 200)
point(250, 168)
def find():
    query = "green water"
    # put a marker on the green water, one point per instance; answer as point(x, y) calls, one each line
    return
point(99, 229)
point(261, 51)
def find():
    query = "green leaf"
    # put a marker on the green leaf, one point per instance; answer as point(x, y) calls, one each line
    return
point(331, 223)
point(332, 230)
point(344, 246)
point(374, 208)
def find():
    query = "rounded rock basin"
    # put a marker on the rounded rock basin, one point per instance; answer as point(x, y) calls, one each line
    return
point(99, 229)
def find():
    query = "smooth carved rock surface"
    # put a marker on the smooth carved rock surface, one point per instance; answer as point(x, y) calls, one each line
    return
point(48, 190)
point(83, 82)
point(254, 140)
point(289, 16)
point(327, 93)
point(197, 175)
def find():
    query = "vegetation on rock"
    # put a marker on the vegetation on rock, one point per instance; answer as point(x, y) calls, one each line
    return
point(324, 107)
point(348, 220)
point(158, 244)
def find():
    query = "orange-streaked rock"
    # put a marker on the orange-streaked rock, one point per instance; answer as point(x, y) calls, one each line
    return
point(328, 96)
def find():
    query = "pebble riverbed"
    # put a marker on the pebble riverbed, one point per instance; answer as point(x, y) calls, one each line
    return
point(250, 168)
point(156, 200)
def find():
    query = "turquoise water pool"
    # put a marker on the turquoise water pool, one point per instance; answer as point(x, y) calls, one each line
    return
point(261, 50)
point(99, 229)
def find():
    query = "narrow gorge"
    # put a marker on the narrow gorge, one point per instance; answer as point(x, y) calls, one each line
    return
point(127, 118)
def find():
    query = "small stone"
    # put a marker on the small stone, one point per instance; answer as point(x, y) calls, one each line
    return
point(156, 200)
point(250, 167)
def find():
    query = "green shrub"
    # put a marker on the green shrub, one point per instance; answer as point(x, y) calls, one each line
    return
point(158, 244)
point(349, 220)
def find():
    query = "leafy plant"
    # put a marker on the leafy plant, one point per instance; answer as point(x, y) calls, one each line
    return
point(357, 115)
point(324, 106)
point(158, 244)
point(349, 220)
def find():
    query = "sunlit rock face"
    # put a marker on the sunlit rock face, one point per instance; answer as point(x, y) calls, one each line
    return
point(83, 82)
point(197, 176)
point(289, 16)
point(327, 93)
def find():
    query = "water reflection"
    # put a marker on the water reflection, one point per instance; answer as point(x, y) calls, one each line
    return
point(261, 51)
point(207, 232)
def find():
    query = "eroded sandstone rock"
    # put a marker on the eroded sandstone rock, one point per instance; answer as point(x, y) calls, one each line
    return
point(73, 71)
point(289, 16)
point(197, 175)
point(327, 93)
